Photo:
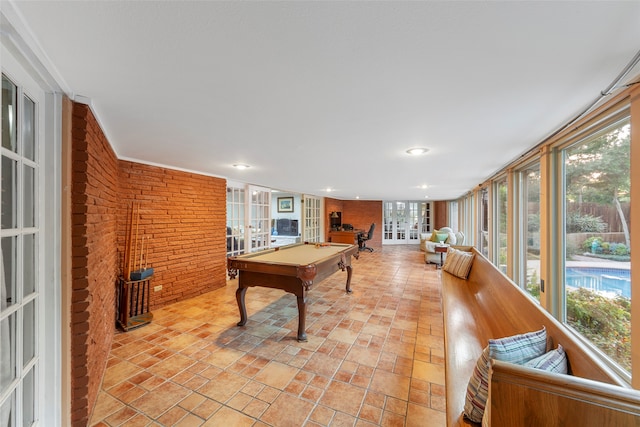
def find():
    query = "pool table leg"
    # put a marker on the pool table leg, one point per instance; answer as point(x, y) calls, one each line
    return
point(240, 292)
point(302, 316)
point(348, 287)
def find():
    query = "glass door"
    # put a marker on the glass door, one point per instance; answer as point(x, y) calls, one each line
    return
point(400, 222)
point(404, 221)
point(413, 222)
point(248, 218)
point(235, 219)
point(311, 219)
point(259, 230)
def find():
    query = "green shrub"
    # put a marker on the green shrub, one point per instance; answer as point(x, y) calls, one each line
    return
point(607, 248)
point(587, 244)
point(533, 285)
point(618, 249)
point(578, 223)
point(606, 322)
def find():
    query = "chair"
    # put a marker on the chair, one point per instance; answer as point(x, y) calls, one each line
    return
point(428, 244)
point(362, 239)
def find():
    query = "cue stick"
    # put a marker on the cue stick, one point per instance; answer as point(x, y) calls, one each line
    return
point(127, 250)
point(135, 249)
point(141, 252)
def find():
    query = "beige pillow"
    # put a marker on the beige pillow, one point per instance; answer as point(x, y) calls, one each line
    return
point(458, 263)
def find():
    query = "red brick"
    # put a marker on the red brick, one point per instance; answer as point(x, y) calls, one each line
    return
point(183, 213)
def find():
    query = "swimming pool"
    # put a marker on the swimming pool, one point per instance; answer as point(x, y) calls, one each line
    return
point(609, 280)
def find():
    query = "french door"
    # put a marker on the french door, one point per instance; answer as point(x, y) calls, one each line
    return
point(311, 219)
point(22, 323)
point(248, 218)
point(404, 221)
point(259, 230)
point(235, 220)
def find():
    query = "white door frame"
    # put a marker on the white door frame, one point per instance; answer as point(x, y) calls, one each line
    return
point(22, 61)
point(414, 223)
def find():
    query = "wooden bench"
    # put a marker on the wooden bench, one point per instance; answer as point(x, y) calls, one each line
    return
point(489, 305)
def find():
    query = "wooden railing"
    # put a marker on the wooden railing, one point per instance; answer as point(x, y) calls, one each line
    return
point(531, 397)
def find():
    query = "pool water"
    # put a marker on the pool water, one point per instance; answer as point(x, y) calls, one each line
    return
point(606, 280)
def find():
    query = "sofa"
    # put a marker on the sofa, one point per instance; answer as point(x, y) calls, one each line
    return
point(428, 243)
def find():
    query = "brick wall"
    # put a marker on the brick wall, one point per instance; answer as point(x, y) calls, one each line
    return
point(360, 214)
point(184, 216)
point(182, 213)
point(94, 259)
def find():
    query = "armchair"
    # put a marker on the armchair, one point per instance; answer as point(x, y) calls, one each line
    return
point(428, 243)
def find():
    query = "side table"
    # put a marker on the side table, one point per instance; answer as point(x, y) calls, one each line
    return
point(441, 249)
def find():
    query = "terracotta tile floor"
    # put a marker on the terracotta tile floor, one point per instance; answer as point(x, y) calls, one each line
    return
point(373, 358)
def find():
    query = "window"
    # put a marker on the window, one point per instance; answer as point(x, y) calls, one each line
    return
point(501, 226)
point(530, 220)
point(467, 217)
point(453, 215)
point(483, 224)
point(597, 268)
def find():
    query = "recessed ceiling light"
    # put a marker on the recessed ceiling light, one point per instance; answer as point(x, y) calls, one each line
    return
point(424, 186)
point(426, 197)
point(241, 166)
point(416, 151)
point(329, 190)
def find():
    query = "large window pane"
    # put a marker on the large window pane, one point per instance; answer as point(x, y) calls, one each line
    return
point(501, 188)
point(597, 267)
point(483, 223)
point(531, 227)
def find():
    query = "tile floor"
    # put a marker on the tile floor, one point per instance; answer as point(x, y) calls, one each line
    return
point(373, 358)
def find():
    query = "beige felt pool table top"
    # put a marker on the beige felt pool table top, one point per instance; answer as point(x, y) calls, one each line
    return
point(300, 254)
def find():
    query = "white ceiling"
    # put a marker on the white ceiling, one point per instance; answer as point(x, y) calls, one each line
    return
point(317, 94)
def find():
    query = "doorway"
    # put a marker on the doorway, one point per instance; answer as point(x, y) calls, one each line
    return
point(404, 221)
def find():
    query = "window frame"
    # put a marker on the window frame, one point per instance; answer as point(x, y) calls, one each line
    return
point(602, 126)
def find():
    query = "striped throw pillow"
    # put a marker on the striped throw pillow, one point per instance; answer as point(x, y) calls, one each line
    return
point(552, 361)
point(458, 263)
point(516, 349)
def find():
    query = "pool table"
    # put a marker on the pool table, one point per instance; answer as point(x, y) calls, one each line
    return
point(292, 268)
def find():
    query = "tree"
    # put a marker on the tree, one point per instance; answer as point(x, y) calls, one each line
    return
point(598, 171)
